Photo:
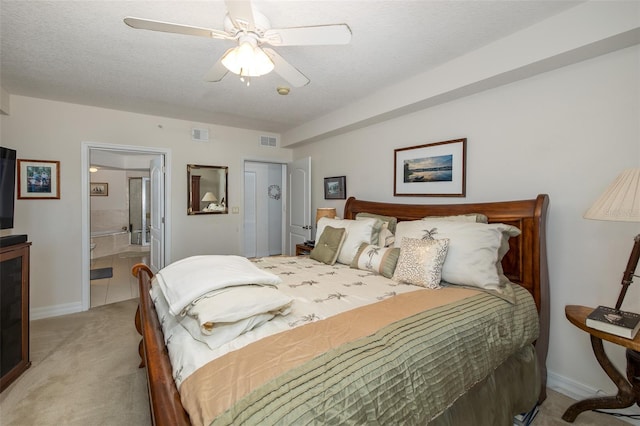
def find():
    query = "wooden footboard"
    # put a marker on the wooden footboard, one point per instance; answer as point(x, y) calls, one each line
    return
point(164, 399)
point(525, 264)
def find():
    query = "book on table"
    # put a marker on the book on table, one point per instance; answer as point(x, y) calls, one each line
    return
point(610, 320)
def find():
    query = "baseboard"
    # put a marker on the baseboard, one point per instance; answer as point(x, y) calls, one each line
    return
point(580, 391)
point(569, 387)
point(55, 311)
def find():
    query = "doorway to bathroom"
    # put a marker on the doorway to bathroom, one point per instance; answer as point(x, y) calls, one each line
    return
point(125, 221)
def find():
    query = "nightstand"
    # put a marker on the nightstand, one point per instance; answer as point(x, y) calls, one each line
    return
point(303, 249)
point(629, 388)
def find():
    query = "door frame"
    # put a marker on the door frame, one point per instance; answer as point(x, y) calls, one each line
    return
point(86, 148)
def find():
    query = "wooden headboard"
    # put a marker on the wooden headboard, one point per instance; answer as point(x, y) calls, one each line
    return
point(525, 263)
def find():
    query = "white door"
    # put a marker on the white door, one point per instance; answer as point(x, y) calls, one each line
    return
point(299, 203)
point(156, 227)
point(263, 212)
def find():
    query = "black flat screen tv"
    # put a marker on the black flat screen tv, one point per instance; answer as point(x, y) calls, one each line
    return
point(7, 186)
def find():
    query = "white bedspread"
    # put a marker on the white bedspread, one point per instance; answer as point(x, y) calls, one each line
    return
point(318, 291)
point(236, 303)
point(187, 279)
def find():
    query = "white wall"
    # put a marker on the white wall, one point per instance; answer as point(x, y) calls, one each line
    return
point(46, 130)
point(567, 133)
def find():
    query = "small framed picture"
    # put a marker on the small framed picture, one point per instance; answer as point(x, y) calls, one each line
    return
point(99, 189)
point(335, 188)
point(432, 170)
point(38, 180)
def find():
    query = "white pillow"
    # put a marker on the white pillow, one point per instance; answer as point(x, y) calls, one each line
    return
point(474, 248)
point(357, 232)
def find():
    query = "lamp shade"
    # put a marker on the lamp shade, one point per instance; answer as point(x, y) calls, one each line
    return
point(621, 200)
point(247, 59)
point(329, 212)
point(209, 197)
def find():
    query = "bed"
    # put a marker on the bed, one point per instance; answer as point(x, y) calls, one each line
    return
point(491, 396)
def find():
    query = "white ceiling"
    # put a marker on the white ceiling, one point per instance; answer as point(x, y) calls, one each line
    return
point(82, 52)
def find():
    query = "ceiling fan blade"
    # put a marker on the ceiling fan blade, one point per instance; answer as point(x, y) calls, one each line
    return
point(217, 72)
point(285, 70)
point(309, 36)
point(167, 27)
point(241, 14)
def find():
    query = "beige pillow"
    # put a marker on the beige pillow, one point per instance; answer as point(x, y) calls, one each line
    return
point(328, 246)
point(376, 259)
point(420, 262)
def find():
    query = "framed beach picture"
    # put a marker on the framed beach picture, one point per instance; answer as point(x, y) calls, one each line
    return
point(99, 189)
point(335, 188)
point(431, 170)
point(38, 180)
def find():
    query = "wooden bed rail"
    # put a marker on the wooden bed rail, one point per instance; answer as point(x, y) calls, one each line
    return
point(166, 407)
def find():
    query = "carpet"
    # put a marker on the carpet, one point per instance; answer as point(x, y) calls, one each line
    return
point(100, 273)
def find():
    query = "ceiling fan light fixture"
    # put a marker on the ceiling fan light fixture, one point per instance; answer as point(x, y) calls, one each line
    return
point(247, 59)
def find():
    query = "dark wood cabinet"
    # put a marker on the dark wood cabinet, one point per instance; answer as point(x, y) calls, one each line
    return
point(14, 312)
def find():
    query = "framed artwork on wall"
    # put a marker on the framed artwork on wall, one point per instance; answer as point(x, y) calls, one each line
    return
point(38, 180)
point(99, 189)
point(431, 170)
point(335, 188)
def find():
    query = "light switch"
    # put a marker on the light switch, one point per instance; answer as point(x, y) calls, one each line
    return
point(235, 210)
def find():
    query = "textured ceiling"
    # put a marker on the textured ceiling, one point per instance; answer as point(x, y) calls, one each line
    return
point(82, 52)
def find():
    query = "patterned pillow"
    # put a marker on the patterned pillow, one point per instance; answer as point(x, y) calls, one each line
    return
point(328, 246)
point(376, 259)
point(420, 262)
point(376, 230)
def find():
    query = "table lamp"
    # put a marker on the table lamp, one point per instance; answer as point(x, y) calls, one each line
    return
point(209, 198)
point(329, 212)
point(621, 202)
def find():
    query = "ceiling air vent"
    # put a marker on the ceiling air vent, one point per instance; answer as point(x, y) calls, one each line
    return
point(267, 140)
point(200, 135)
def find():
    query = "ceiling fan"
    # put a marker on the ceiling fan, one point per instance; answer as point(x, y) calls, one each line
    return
point(251, 31)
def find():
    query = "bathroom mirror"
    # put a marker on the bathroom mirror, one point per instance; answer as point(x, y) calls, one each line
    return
point(206, 189)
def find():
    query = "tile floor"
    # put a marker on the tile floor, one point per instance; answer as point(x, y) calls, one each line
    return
point(122, 285)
